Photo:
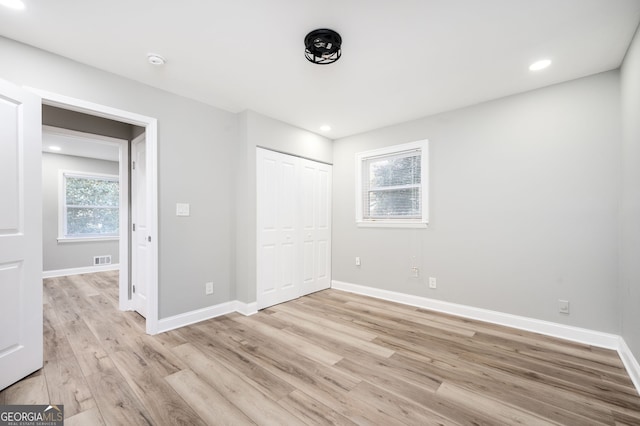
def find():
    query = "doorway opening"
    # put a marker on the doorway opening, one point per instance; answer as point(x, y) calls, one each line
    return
point(146, 127)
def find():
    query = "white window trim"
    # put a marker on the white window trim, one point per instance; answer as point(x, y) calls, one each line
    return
point(423, 146)
point(62, 237)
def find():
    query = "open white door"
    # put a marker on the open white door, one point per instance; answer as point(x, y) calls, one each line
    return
point(140, 228)
point(21, 350)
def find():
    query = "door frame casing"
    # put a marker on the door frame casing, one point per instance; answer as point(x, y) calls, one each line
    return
point(134, 305)
point(150, 125)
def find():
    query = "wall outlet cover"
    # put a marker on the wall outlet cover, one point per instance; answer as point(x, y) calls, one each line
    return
point(208, 288)
point(563, 306)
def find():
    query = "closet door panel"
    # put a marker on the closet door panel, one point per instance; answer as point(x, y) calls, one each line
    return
point(277, 228)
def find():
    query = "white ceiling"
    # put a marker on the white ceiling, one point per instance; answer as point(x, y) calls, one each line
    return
point(402, 59)
point(79, 144)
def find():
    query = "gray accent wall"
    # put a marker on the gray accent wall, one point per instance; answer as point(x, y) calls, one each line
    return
point(69, 255)
point(630, 205)
point(256, 130)
point(523, 208)
point(196, 154)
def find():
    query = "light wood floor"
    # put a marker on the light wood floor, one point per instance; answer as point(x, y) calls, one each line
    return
point(328, 358)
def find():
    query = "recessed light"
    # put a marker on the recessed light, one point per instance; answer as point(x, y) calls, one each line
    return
point(13, 4)
point(540, 65)
point(325, 128)
point(55, 148)
point(155, 59)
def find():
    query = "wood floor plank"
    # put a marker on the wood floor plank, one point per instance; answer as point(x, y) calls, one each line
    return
point(163, 404)
point(90, 417)
point(338, 338)
point(298, 370)
point(408, 319)
point(67, 385)
point(210, 405)
point(87, 349)
point(500, 413)
point(299, 311)
point(32, 390)
point(290, 342)
point(397, 407)
point(381, 375)
point(154, 354)
point(116, 400)
point(211, 338)
point(256, 405)
point(56, 344)
point(312, 411)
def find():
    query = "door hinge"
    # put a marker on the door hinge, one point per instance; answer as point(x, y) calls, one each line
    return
point(149, 238)
point(134, 288)
point(134, 227)
point(133, 165)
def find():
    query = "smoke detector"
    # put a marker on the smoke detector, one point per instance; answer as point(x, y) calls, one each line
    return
point(155, 59)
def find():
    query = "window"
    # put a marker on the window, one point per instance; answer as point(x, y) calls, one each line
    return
point(392, 187)
point(90, 206)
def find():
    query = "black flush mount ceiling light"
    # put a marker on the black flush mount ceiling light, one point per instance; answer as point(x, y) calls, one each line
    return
point(323, 46)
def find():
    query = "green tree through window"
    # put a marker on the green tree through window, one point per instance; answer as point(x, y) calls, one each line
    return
point(91, 207)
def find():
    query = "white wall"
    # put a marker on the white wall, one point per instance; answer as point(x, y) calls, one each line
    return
point(258, 130)
point(196, 150)
point(630, 205)
point(56, 255)
point(523, 206)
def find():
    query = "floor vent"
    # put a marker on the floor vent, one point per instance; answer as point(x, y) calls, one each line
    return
point(102, 260)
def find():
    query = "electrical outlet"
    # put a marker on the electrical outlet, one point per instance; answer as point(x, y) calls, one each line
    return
point(432, 282)
point(358, 261)
point(208, 288)
point(563, 306)
point(415, 271)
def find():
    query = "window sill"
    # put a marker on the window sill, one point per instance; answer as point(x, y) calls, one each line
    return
point(65, 240)
point(388, 224)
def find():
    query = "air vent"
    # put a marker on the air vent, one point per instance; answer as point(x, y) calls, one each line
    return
point(102, 260)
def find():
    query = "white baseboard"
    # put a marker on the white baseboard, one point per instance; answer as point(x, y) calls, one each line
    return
point(630, 363)
point(203, 314)
point(78, 271)
point(180, 320)
point(246, 309)
point(581, 335)
point(575, 334)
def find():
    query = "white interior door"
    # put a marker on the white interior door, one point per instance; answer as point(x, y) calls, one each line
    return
point(277, 192)
point(21, 350)
point(139, 228)
point(316, 226)
point(294, 227)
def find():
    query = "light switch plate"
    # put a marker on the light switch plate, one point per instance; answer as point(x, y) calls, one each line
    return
point(182, 209)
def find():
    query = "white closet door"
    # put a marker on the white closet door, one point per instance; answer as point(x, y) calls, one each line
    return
point(316, 226)
point(294, 227)
point(278, 228)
